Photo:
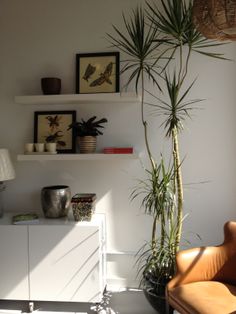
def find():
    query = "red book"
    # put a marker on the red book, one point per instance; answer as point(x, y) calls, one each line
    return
point(118, 150)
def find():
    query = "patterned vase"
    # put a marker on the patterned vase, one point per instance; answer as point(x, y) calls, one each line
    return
point(87, 144)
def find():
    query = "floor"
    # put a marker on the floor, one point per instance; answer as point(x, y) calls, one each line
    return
point(125, 302)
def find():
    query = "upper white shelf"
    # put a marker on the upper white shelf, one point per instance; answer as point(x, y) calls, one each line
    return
point(78, 98)
point(62, 157)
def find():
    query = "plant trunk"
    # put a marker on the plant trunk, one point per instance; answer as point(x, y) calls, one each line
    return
point(144, 122)
point(179, 186)
point(163, 229)
point(154, 228)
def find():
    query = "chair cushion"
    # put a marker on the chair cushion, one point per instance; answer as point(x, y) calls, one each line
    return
point(205, 297)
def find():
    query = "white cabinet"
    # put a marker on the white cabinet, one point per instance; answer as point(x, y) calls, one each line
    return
point(64, 263)
point(13, 262)
point(55, 260)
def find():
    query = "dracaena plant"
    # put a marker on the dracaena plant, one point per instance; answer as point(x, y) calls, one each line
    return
point(157, 257)
point(141, 48)
point(175, 23)
point(154, 41)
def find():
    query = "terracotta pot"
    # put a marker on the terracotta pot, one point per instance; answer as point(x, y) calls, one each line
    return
point(87, 144)
point(51, 85)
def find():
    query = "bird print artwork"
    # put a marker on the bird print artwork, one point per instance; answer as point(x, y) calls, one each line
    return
point(89, 72)
point(104, 77)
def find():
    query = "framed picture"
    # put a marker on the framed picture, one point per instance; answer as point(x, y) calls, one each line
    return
point(97, 72)
point(52, 126)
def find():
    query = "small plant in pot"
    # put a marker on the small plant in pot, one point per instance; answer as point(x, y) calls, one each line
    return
point(87, 132)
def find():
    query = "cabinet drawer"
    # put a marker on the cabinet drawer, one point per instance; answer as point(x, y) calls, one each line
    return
point(64, 263)
point(14, 262)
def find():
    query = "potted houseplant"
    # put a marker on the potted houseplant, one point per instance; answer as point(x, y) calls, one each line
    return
point(155, 41)
point(87, 132)
point(156, 258)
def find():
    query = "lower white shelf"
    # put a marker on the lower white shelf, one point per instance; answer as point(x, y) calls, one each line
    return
point(62, 157)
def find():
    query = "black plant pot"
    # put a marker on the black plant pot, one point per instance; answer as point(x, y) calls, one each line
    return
point(158, 302)
point(154, 291)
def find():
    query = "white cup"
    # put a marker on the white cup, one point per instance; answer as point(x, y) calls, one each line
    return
point(29, 147)
point(51, 147)
point(39, 147)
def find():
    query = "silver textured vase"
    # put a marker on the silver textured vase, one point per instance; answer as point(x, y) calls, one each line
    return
point(56, 200)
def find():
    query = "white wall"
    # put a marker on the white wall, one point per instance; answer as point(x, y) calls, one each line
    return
point(41, 38)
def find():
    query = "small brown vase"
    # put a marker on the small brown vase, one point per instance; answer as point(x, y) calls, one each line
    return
point(87, 144)
point(51, 85)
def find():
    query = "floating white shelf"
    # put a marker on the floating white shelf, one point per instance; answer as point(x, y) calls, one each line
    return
point(71, 157)
point(78, 98)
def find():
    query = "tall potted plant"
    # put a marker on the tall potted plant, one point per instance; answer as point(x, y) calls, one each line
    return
point(156, 36)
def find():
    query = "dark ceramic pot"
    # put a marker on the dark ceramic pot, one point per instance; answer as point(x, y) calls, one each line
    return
point(154, 292)
point(51, 85)
point(158, 302)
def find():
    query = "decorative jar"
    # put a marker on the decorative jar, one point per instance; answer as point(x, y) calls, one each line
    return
point(83, 206)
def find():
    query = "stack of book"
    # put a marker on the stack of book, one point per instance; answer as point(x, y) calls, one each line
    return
point(118, 150)
point(28, 218)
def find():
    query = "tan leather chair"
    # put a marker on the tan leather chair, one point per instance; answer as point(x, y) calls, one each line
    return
point(205, 280)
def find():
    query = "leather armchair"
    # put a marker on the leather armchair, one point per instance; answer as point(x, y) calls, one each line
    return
point(205, 279)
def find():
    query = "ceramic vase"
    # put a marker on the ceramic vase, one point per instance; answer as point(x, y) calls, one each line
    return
point(51, 85)
point(56, 201)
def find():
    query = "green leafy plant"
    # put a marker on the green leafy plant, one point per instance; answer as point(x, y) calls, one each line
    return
point(157, 257)
point(91, 127)
point(159, 41)
point(139, 44)
point(176, 26)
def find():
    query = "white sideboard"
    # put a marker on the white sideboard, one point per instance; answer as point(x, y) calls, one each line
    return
point(13, 262)
point(54, 260)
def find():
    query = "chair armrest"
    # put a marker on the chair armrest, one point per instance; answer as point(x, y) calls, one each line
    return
point(208, 263)
point(198, 264)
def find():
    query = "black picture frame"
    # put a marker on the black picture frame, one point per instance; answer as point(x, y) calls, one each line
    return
point(97, 72)
point(48, 123)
